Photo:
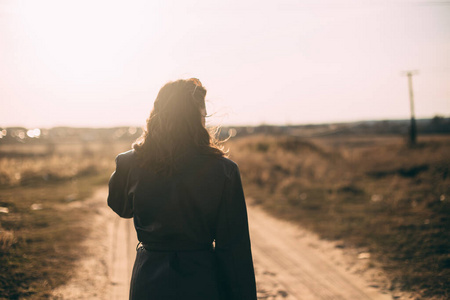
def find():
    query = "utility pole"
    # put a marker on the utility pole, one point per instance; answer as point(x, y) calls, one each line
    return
point(413, 128)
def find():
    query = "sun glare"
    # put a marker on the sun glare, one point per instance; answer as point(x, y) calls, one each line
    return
point(82, 41)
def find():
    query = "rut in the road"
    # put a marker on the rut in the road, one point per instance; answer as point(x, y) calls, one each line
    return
point(298, 269)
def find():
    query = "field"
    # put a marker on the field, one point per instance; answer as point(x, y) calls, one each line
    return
point(369, 192)
point(41, 223)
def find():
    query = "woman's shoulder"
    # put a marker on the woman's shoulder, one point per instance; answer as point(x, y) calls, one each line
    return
point(224, 163)
point(228, 162)
point(126, 157)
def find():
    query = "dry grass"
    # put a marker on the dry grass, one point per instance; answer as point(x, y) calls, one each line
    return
point(26, 164)
point(39, 236)
point(39, 247)
point(371, 192)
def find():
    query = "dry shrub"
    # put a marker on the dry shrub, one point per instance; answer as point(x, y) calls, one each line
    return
point(6, 239)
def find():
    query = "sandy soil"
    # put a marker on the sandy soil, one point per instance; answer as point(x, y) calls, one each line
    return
point(290, 262)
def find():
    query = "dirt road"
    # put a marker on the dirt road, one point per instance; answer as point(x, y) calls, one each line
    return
point(290, 263)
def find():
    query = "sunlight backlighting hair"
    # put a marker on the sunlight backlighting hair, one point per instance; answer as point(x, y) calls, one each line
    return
point(175, 129)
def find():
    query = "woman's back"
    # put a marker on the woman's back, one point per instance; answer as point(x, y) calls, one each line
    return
point(177, 218)
point(182, 207)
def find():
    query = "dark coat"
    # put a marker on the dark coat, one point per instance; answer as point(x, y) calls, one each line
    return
point(178, 218)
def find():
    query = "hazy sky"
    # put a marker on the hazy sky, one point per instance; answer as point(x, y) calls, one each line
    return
point(101, 63)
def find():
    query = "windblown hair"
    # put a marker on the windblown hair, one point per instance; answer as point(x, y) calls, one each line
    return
point(175, 128)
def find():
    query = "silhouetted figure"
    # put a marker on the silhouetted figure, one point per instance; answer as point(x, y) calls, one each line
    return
point(187, 203)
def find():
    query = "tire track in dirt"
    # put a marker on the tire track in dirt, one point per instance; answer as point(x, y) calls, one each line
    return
point(110, 246)
point(299, 271)
point(123, 245)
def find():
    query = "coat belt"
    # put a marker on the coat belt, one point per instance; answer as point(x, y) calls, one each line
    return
point(175, 246)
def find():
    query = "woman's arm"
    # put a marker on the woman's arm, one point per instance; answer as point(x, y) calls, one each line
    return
point(118, 187)
point(233, 250)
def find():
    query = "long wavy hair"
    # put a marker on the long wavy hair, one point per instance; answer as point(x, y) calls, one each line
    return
point(175, 128)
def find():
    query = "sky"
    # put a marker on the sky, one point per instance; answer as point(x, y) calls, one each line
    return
point(101, 63)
